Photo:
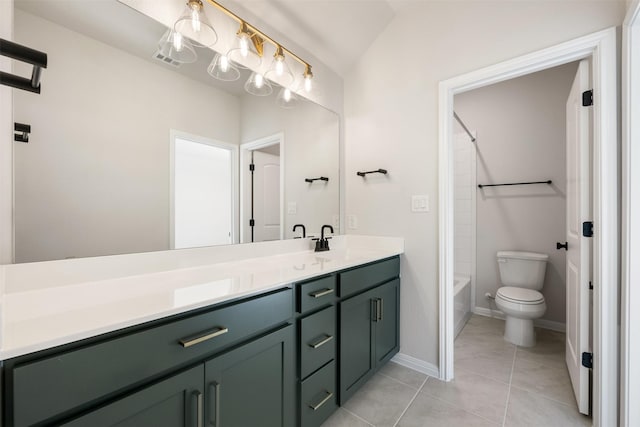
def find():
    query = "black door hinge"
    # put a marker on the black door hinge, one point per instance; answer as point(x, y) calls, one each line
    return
point(587, 98)
point(252, 223)
point(587, 229)
point(590, 285)
point(587, 360)
point(252, 167)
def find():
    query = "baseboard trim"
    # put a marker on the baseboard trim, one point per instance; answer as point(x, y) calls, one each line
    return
point(540, 323)
point(417, 365)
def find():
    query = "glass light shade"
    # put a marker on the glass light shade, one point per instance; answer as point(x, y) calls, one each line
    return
point(173, 46)
point(279, 72)
point(245, 55)
point(258, 85)
point(221, 69)
point(194, 25)
point(286, 98)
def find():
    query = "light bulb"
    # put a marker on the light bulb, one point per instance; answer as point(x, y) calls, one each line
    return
point(195, 19)
point(259, 80)
point(307, 83)
point(177, 41)
point(279, 66)
point(287, 95)
point(244, 45)
point(224, 64)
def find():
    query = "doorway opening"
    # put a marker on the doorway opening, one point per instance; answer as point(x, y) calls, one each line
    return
point(262, 189)
point(203, 191)
point(600, 49)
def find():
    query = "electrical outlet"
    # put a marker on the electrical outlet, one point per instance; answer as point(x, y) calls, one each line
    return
point(292, 208)
point(352, 222)
point(420, 203)
point(336, 222)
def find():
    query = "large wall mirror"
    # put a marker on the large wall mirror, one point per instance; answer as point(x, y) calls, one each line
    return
point(130, 154)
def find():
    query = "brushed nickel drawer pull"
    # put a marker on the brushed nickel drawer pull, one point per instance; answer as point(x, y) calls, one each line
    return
point(322, 402)
point(197, 339)
point(198, 417)
point(321, 293)
point(321, 342)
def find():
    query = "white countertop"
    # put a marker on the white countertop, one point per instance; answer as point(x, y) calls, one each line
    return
point(47, 316)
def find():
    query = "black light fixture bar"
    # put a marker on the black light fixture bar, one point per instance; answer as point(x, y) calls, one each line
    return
point(322, 178)
point(382, 171)
point(514, 183)
point(24, 54)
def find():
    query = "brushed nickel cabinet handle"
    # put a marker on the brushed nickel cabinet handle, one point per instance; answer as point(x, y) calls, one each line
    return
point(321, 342)
point(322, 402)
point(198, 418)
point(381, 307)
point(197, 339)
point(374, 309)
point(321, 293)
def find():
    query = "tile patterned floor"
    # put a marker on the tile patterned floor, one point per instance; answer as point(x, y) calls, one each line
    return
point(497, 384)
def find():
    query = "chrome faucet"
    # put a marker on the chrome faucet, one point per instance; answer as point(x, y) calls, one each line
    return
point(304, 230)
point(322, 244)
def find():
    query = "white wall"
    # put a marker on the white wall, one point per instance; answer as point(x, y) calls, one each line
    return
point(6, 142)
point(311, 135)
point(391, 121)
point(464, 187)
point(94, 178)
point(521, 137)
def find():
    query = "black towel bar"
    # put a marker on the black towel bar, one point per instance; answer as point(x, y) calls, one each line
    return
point(382, 171)
point(24, 54)
point(322, 178)
point(514, 183)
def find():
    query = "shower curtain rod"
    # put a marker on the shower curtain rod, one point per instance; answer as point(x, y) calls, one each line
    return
point(473, 139)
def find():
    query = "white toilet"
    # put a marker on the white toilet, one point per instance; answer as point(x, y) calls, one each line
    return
point(522, 277)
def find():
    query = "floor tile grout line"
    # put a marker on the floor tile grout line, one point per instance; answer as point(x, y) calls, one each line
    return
point(506, 406)
point(408, 405)
point(402, 382)
point(483, 376)
point(439, 399)
point(547, 397)
point(357, 416)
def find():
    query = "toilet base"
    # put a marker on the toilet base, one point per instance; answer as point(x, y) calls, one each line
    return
point(520, 332)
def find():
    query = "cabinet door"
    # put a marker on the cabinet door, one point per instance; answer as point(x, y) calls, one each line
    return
point(253, 385)
point(357, 360)
point(176, 401)
point(387, 322)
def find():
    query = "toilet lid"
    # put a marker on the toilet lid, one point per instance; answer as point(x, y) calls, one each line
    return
point(520, 295)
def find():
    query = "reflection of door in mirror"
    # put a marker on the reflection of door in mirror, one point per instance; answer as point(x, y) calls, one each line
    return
point(262, 187)
point(202, 196)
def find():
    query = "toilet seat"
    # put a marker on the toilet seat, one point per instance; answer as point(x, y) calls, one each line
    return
point(520, 295)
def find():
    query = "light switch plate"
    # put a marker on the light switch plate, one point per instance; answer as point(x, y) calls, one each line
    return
point(292, 208)
point(336, 222)
point(420, 203)
point(352, 222)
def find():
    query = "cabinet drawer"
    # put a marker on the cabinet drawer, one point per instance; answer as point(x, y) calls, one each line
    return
point(317, 340)
point(63, 382)
point(318, 398)
point(316, 293)
point(361, 278)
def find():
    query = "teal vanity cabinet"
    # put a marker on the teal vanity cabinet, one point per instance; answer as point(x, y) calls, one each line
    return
point(317, 367)
point(216, 362)
point(369, 322)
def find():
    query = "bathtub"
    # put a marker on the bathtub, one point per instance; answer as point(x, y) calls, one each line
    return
point(461, 301)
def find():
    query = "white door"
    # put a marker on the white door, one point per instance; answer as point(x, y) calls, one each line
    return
point(266, 201)
point(578, 253)
point(202, 193)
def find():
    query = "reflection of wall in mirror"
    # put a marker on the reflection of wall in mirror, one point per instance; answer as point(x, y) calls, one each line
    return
point(311, 136)
point(94, 178)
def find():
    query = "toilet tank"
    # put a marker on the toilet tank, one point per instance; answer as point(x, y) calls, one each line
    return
point(522, 269)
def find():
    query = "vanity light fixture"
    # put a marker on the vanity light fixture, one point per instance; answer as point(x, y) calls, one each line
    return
point(308, 76)
point(248, 54)
point(194, 25)
point(258, 85)
point(172, 45)
point(286, 98)
point(279, 71)
point(222, 69)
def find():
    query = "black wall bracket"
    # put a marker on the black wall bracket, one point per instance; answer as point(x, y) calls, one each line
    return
point(23, 54)
point(564, 245)
point(382, 171)
point(322, 178)
point(24, 131)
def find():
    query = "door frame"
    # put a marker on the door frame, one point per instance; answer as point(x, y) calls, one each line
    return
point(235, 223)
point(245, 148)
point(601, 48)
point(630, 245)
